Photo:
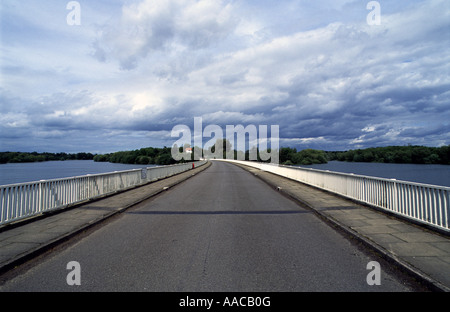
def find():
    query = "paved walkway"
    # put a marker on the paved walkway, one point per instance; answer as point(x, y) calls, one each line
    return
point(26, 240)
point(424, 253)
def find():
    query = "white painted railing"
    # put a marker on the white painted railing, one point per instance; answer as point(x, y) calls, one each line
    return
point(423, 203)
point(24, 200)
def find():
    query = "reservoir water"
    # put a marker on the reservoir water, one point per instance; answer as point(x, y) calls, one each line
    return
point(27, 172)
point(35, 171)
point(428, 174)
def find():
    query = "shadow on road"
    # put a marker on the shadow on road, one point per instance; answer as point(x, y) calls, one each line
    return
point(219, 212)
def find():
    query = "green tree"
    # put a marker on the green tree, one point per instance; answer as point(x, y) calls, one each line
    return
point(143, 160)
point(287, 153)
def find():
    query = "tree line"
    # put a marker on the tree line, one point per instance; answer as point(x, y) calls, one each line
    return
point(411, 154)
point(288, 156)
point(143, 156)
point(21, 157)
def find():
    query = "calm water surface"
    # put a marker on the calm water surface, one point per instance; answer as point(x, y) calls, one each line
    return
point(27, 172)
point(429, 174)
point(30, 172)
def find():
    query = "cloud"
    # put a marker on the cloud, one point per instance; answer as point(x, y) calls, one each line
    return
point(153, 26)
point(134, 70)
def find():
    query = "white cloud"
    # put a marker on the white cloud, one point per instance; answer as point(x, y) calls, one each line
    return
point(152, 26)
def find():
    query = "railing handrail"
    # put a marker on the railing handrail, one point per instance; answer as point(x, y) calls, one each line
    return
point(423, 203)
point(446, 188)
point(24, 200)
point(89, 175)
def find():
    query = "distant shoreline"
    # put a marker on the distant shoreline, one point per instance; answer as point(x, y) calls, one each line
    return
point(25, 157)
point(411, 154)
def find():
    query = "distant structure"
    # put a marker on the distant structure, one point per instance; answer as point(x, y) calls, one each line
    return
point(188, 150)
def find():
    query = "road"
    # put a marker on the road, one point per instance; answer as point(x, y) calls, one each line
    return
point(222, 230)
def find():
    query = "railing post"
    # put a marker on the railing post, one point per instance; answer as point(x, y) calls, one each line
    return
point(41, 196)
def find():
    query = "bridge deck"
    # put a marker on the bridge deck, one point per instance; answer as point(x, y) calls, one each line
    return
point(26, 239)
point(424, 253)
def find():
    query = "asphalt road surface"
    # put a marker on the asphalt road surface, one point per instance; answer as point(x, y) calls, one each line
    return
point(222, 230)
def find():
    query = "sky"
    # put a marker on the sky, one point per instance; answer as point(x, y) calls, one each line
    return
point(102, 76)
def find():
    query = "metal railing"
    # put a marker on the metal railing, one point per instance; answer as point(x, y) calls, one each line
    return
point(24, 200)
point(423, 203)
